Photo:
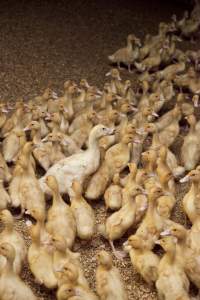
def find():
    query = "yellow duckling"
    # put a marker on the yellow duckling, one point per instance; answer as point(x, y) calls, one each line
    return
point(11, 285)
point(40, 259)
point(108, 279)
point(41, 151)
point(186, 253)
point(172, 283)
point(74, 292)
point(10, 235)
point(29, 191)
point(83, 213)
point(164, 173)
point(12, 144)
point(119, 222)
point(190, 150)
point(62, 257)
point(152, 223)
point(60, 217)
point(113, 194)
point(190, 200)
point(14, 186)
point(144, 260)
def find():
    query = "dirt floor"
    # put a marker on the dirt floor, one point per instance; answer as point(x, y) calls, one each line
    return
point(44, 43)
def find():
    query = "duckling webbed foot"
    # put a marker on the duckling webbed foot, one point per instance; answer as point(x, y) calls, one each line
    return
point(118, 254)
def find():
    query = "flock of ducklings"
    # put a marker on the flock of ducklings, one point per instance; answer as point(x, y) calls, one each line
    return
point(95, 145)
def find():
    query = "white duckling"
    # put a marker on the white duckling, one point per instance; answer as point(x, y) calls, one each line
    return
point(60, 217)
point(77, 166)
point(10, 235)
point(108, 279)
point(11, 285)
point(83, 213)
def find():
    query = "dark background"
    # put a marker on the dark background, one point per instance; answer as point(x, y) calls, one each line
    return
point(43, 43)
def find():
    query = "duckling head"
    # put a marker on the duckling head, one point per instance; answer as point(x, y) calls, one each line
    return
point(150, 128)
point(168, 243)
point(135, 190)
point(149, 156)
point(176, 230)
point(67, 84)
point(66, 291)
point(134, 241)
point(193, 175)
point(155, 192)
point(84, 83)
point(8, 251)
point(33, 125)
point(100, 130)
point(92, 116)
point(69, 272)
point(104, 258)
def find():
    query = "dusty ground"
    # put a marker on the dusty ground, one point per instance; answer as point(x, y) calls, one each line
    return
point(44, 44)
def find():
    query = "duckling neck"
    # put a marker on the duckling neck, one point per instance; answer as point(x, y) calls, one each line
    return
point(57, 199)
point(93, 143)
point(129, 45)
point(36, 136)
point(171, 255)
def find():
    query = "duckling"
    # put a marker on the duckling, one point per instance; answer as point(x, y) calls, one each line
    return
point(108, 280)
point(186, 253)
point(119, 222)
point(171, 71)
point(166, 119)
point(14, 186)
point(190, 200)
point(113, 194)
point(163, 171)
point(14, 121)
point(12, 144)
point(190, 153)
point(152, 223)
point(126, 55)
point(119, 154)
point(41, 151)
point(98, 182)
point(55, 152)
point(29, 191)
point(144, 260)
point(10, 235)
point(177, 285)
point(74, 292)
point(78, 166)
point(60, 216)
point(62, 257)
point(40, 259)
point(11, 285)
point(83, 213)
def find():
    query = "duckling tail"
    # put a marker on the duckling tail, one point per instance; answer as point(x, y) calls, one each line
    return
point(111, 58)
